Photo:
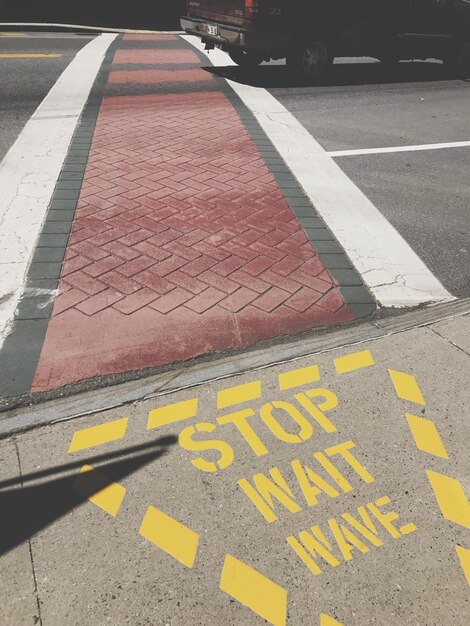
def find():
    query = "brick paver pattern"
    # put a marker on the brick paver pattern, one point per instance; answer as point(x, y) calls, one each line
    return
point(179, 218)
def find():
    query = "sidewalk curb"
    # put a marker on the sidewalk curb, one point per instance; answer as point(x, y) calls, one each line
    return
point(87, 403)
point(82, 28)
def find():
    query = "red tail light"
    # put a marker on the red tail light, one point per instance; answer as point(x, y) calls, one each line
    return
point(251, 9)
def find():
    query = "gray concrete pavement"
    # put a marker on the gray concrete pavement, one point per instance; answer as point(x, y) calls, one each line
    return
point(24, 82)
point(96, 563)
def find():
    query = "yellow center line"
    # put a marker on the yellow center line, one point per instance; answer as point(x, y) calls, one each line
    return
point(13, 34)
point(30, 56)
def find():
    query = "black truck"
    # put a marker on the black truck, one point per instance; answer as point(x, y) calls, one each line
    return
point(309, 34)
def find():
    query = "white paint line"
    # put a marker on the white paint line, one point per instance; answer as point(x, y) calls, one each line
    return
point(30, 169)
point(392, 149)
point(390, 268)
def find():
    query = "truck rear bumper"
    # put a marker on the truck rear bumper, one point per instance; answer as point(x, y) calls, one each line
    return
point(219, 34)
point(227, 36)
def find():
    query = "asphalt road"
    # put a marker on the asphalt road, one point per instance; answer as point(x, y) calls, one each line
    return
point(425, 195)
point(24, 82)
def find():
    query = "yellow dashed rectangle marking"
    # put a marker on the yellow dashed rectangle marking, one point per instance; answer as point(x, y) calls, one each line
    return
point(407, 387)
point(98, 435)
point(172, 413)
point(464, 557)
point(97, 488)
point(426, 436)
point(451, 498)
point(252, 589)
point(171, 536)
point(297, 378)
point(352, 362)
point(30, 56)
point(239, 394)
point(327, 620)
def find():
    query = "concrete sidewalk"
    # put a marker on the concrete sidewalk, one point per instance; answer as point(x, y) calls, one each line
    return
point(328, 490)
point(189, 235)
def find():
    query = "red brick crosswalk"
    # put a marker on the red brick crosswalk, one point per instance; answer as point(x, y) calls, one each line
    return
point(182, 243)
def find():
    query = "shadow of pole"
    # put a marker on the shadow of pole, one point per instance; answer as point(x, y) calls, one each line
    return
point(26, 510)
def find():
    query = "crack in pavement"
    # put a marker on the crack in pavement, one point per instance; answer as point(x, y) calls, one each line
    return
point(30, 549)
point(448, 341)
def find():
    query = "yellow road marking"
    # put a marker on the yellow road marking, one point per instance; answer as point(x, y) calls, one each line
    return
point(299, 377)
point(451, 498)
point(326, 620)
point(171, 536)
point(352, 362)
point(426, 436)
point(97, 435)
point(100, 490)
point(172, 413)
point(464, 557)
point(239, 394)
point(243, 583)
point(252, 589)
point(30, 56)
point(407, 387)
point(13, 34)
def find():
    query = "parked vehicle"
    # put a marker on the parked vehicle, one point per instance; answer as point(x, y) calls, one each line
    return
point(309, 34)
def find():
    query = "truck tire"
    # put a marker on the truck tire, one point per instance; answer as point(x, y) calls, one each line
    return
point(458, 61)
point(463, 61)
point(310, 58)
point(246, 58)
point(389, 62)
